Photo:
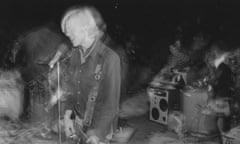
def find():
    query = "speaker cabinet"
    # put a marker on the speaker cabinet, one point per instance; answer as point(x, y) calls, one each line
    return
point(163, 101)
point(197, 122)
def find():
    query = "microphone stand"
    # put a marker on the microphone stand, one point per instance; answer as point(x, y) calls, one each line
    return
point(59, 103)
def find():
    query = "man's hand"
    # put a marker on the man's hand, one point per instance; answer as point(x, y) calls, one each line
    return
point(55, 59)
point(93, 140)
point(68, 124)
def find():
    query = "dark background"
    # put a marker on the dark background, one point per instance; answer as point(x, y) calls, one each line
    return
point(155, 23)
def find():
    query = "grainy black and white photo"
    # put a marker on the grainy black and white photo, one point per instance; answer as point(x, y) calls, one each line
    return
point(120, 72)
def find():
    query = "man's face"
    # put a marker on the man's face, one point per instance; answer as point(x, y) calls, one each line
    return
point(75, 33)
point(78, 34)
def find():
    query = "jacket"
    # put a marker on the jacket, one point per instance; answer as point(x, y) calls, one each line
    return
point(80, 78)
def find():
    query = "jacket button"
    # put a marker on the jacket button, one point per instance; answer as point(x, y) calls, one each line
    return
point(79, 82)
point(80, 70)
point(78, 92)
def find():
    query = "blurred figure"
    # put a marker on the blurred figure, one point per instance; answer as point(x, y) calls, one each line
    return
point(220, 74)
point(178, 59)
point(93, 76)
point(220, 85)
point(11, 94)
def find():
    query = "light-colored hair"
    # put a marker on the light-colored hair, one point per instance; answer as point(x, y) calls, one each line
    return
point(88, 16)
point(218, 50)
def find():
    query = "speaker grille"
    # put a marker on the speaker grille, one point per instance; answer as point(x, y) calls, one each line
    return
point(163, 105)
point(155, 113)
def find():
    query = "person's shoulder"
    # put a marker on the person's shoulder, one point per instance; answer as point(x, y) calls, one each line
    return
point(110, 54)
point(224, 66)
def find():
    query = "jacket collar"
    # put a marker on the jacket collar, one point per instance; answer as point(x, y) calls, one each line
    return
point(92, 51)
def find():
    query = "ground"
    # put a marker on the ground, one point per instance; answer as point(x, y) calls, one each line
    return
point(147, 132)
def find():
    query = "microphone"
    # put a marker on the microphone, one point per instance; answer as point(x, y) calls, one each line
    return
point(62, 49)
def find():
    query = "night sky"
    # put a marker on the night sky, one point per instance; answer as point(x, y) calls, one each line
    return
point(152, 21)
